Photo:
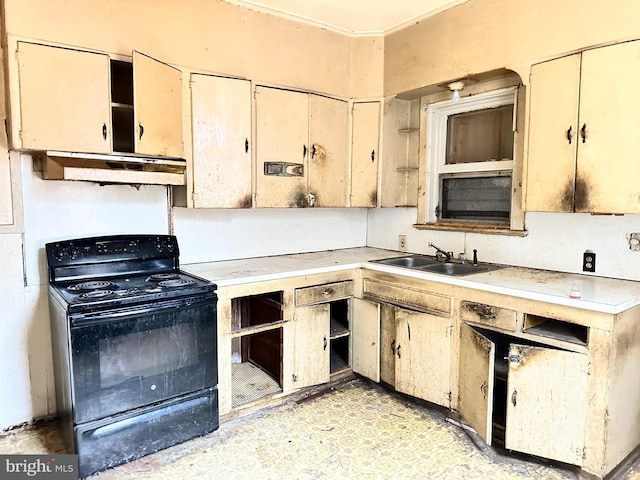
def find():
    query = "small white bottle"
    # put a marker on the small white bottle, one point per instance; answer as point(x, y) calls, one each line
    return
point(575, 290)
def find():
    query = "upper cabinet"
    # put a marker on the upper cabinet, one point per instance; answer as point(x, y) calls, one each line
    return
point(301, 154)
point(92, 105)
point(70, 110)
point(221, 132)
point(365, 154)
point(582, 139)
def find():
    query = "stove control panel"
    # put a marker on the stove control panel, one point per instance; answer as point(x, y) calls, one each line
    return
point(113, 248)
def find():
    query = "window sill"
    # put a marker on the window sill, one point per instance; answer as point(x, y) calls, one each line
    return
point(461, 227)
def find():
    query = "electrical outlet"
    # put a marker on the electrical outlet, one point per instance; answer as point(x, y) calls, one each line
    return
point(589, 261)
point(402, 242)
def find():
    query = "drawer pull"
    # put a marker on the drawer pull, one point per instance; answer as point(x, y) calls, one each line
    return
point(327, 291)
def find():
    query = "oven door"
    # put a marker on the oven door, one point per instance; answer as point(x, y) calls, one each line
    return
point(139, 355)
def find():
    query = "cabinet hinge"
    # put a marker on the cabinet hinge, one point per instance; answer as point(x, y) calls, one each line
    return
point(515, 357)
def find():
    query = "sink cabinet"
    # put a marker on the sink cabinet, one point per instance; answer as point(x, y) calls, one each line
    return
point(415, 346)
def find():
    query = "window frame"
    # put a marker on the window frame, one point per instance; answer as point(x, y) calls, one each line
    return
point(434, 121)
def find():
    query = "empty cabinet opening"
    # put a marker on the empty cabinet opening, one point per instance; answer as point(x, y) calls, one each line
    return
point(556, 329)
point(256, 347)
point(122, 106)
point(340, 335)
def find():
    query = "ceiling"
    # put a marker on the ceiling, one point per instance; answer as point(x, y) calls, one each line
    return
point(354, 17)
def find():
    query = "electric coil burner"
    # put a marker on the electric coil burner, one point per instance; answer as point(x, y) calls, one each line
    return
point(135, 347)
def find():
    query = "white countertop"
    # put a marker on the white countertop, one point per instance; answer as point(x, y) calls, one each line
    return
point(599, 294)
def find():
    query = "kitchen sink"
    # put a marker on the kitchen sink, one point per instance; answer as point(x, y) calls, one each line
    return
point(455, 268)
point(413, 261)
point(426, 263)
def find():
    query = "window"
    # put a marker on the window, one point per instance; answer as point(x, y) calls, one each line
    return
point(470, 160)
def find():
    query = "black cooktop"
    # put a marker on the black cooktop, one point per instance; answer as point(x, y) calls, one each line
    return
point(110, 292)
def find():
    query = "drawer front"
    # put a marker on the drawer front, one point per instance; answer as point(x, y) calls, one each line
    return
point(489, 315)
point(324, 293)
point(419, 300)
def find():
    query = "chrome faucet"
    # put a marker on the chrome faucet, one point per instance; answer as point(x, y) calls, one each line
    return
point(447, 255)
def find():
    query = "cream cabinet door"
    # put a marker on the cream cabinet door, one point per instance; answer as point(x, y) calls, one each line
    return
point(476, 379)
point(608, 168)
point(64, 99)
point(553, 135)
point(546, 402)
point(423, 356)
point(157, 94)
point(282, 132)
point(327, 180)
point(364, 154)
point(387, 344)
point(311, 364)
point(221, 129)
point(365, 334)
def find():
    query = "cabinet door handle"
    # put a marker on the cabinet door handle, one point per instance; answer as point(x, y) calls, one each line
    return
point(141, 128)
point(304, 151)
point(569, 135)
point(398, 350)
point(393, 347)
point(325, 343)
point(313, 151)
point(583, 133)
point(104, 131)
point(409, 330)
point(373, 155)
point(246, 145)
point(483, 390)
point(514, 397)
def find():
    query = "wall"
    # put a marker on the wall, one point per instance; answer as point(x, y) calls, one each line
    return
point(483, 35)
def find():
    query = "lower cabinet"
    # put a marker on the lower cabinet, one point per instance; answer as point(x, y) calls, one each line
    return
point(523, 395)
point(322, 334)
point(422, 356)
point(415, 340)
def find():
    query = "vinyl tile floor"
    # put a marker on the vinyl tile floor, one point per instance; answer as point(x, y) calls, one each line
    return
point(356, 430)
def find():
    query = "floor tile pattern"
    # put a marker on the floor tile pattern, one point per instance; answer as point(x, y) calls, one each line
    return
point(357, 430)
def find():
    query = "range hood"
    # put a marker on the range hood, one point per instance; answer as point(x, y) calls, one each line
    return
point(111, 168)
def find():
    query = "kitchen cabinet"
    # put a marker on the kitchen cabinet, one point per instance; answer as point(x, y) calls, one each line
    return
point(423, 356)
point(301, 152)
point(98, 106)
point(322, 335)
point(582, 132)
point(221, 133)
point(532, 398)
point(365, 154)
point(415, 345)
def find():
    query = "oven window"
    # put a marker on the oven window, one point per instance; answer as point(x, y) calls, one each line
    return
point(146, 354)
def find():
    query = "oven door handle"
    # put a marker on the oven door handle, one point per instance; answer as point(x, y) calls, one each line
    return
point(123, 313)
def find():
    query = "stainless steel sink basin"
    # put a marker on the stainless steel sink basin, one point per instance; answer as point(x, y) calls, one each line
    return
point(412, 261)
point(454, 268)
point(431, 264)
